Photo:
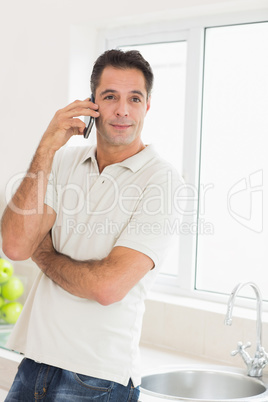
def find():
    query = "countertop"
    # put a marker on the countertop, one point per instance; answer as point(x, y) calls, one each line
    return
point(152, 358)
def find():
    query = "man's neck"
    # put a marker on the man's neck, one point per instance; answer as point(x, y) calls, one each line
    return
point(114, 154)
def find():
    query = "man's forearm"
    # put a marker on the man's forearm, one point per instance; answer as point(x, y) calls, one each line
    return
point(22, 218)
point(71, 275)
point(105, 281)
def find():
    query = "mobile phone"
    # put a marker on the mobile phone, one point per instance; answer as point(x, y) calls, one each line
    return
point(89, 126)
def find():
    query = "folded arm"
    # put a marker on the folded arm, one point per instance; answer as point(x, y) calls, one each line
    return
point(105, 281)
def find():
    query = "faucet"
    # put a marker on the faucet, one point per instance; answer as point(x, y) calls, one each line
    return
point(254, 365)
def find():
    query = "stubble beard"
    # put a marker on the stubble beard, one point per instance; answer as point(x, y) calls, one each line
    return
point(115, 138)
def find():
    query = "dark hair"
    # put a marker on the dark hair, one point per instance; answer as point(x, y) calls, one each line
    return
point(123, 60)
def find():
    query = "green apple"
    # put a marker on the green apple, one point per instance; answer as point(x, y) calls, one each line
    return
point(12, 289)
point(10, 312)
point(2, 301)
point(6, 270)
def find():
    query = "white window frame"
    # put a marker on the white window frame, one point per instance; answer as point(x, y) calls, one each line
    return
point(193, 31)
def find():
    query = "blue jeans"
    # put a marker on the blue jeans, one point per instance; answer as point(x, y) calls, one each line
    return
point(41, 382)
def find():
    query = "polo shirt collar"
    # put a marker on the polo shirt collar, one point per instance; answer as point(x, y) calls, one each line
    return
point(90, 153)
point(134, 163)
point(137, 161)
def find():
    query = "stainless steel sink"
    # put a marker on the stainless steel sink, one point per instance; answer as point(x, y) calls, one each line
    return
point(208, 383)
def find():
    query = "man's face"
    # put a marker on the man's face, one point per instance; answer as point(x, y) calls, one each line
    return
point(122, 99)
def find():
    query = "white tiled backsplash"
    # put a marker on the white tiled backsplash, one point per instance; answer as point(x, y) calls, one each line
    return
point(190, 327)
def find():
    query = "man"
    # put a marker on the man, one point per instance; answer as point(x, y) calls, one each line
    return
point(96, 221)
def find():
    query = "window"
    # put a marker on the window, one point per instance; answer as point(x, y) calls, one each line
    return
point(234, 159)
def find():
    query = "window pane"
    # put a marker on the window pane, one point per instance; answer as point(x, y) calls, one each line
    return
point(234, 163)
point(164, 123)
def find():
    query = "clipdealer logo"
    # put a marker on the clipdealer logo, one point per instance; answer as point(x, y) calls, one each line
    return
point(245, 201)
point(181, 198)
point(143, 228)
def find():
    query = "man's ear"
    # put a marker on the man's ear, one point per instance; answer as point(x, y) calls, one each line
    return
point(148, 104)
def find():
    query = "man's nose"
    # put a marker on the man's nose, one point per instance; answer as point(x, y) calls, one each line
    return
point(122, 108)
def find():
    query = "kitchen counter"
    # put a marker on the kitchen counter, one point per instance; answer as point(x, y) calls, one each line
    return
point(9, 362)
point(152, 357)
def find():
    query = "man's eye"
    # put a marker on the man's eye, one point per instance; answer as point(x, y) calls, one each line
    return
point(109, 97)
point(136, 100)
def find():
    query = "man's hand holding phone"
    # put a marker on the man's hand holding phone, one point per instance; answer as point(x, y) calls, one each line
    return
point(66, 123)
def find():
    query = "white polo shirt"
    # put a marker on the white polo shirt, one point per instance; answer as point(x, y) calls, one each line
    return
point(130, 204)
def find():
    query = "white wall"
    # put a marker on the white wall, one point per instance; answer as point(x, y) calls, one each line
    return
point(38, 38)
